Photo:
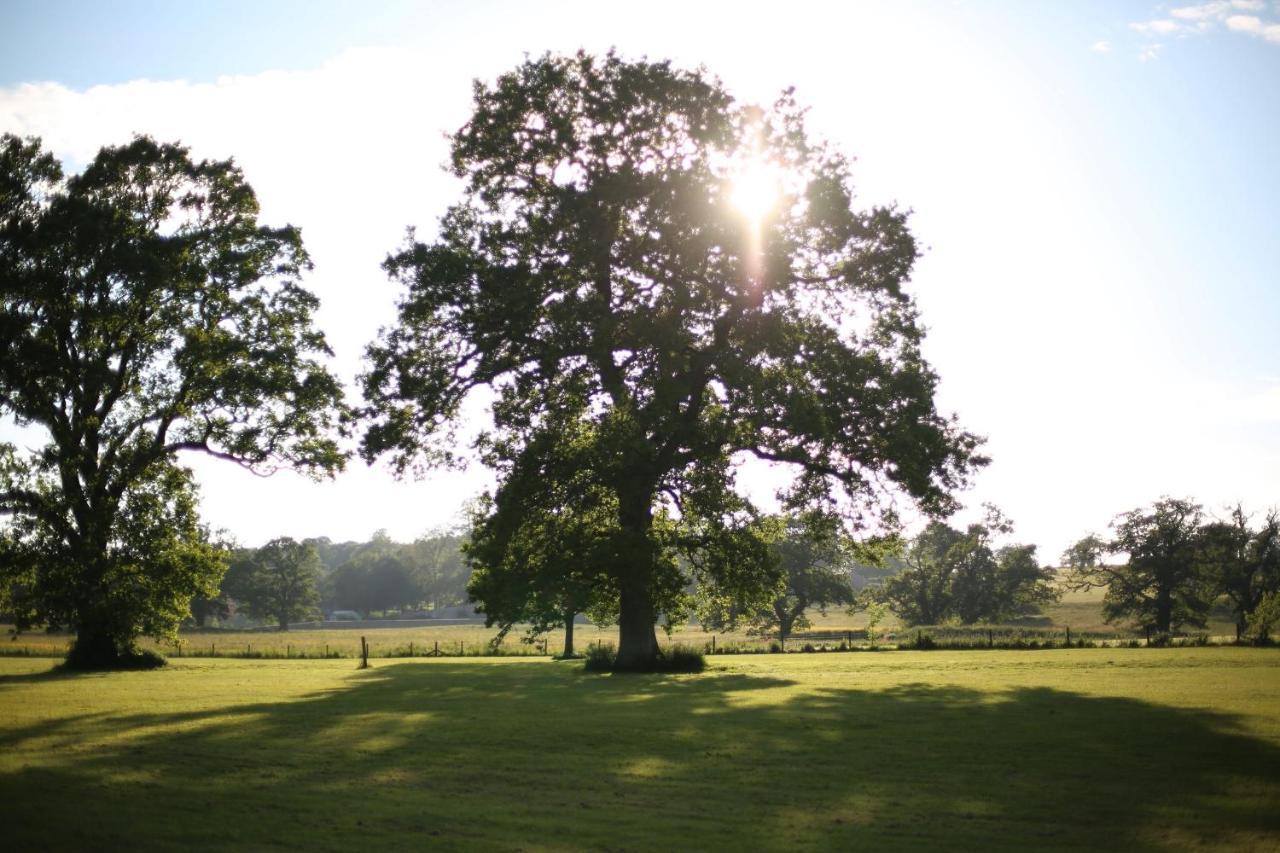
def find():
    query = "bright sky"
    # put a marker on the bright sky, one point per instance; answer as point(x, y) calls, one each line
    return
point(1098, 186)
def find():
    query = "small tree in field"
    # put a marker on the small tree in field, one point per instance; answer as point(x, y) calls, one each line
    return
point(1243, 564)
point(1163, 584)
point(814, 563)
point(144, 313)
point(1264, 620)
point(276, 581)
point(1085, 554)
point(669, 281)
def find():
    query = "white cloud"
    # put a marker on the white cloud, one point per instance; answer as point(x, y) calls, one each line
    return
point(1203, 18)
point(1150, 52)
point(1102, 47)
point(1160, 26)
point(1218, 9)
point(1253, 25)
point(1245, 24)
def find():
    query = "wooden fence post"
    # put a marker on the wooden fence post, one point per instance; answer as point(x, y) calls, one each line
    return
point(713, 644)
point(1068, 635)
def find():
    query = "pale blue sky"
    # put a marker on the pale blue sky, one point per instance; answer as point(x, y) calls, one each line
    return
point(1097, 183)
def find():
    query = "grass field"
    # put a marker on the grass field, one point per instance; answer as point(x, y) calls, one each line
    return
point(1119, 749)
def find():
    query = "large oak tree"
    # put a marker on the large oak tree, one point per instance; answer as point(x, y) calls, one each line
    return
point(144, 312)
point(686, 280)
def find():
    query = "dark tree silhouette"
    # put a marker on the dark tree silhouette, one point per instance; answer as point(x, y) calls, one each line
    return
point(1163, 584)
point(1244, 563)
point(602, 270)
point(143, 312)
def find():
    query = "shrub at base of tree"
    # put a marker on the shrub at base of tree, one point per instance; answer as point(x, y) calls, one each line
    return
point(603, 657)
point(83, 657)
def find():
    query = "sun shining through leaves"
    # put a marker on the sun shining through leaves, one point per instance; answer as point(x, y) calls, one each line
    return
point(757, 191)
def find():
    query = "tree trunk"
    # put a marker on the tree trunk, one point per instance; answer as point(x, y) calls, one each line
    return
point(1164, 611)
point(568, 635)
point(95, 646)
point(284, 622)
point(785, 621)
point(637, 639)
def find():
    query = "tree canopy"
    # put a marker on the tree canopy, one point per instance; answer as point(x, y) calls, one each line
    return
point(1163, 583)
point(144, 312)
point(1243, 562)
point(276, 581)
point(814, 561)
point(627, 312)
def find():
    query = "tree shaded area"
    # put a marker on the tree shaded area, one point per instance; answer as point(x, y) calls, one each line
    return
point(496, 755)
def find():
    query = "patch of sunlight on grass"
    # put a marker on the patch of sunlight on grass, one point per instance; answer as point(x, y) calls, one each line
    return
point(647, 767)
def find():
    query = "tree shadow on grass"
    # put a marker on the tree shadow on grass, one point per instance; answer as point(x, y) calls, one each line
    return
point(511, 756)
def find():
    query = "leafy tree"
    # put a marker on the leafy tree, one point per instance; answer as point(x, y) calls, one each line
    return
point(1264, 619)
point(276, 581)
point(814, 563)
point(921, 594)
point(1244, 563)
point(598, 277)
point(545, 566)
point(143, 312)
point(1163, 584)
point(1086, 553)
point(966, 577)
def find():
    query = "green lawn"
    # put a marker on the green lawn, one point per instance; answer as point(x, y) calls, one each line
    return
point(1121, 749)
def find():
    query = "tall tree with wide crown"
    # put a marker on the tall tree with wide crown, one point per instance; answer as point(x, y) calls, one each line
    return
point(684, 280)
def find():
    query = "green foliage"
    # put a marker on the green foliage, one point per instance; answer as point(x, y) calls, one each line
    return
point(965, 576)
point(600, 657)
point(1264, 619)
point(276, 581)
point(812, 560)
point(373, 582)
point(143, 312)
point(634, 325)
point(1242, 563)
point(876, 612)
point(1163, 584)
point(1085, 554)
point(603, 657)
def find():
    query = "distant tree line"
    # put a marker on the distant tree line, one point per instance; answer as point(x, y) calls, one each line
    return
point(288, 581)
